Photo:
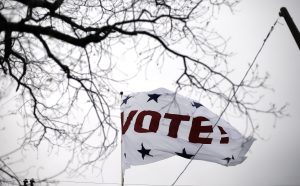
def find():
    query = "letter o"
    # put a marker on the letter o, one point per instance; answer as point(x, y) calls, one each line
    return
point(154, 122)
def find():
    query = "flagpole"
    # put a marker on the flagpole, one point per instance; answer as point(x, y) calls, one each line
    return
point(122, 178)
point(122, 173)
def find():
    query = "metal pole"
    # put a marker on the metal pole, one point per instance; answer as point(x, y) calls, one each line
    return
point(122, 173)
point(293, 28)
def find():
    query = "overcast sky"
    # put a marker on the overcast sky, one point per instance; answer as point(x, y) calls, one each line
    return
point(274, 160)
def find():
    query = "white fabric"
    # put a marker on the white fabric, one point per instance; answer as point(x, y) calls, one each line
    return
point(162, 146)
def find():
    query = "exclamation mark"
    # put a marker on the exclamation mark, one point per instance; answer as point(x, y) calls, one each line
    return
point(224, 140)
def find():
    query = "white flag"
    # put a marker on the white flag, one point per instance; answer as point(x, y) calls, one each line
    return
point(159, 124)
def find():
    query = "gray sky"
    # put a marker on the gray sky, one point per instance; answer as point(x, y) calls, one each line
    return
point(274, 160)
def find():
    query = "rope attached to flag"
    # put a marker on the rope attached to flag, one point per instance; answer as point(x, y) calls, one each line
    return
point(234, 94)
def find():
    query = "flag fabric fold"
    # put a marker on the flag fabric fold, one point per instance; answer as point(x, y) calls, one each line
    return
point(160, 124)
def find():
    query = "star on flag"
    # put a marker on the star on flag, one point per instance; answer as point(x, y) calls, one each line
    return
point(184, 154)
point(144, 151)
point(153, 97)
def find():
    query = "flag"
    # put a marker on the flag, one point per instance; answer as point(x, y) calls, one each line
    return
point(160, 124)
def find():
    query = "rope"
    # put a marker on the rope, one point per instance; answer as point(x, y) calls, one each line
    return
point(230, 100)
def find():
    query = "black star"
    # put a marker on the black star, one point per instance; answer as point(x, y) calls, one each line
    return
point(144, 151)
point(126, 99)
point(228, 159)
point(184, 154)
point(196, 104)
point(153, 97)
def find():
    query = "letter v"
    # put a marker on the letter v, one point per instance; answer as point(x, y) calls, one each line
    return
point(125, 125)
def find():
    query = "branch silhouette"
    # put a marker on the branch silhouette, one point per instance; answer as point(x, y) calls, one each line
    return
point(56, 51)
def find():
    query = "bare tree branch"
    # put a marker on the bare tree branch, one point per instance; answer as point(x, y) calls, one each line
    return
point(60, 55)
